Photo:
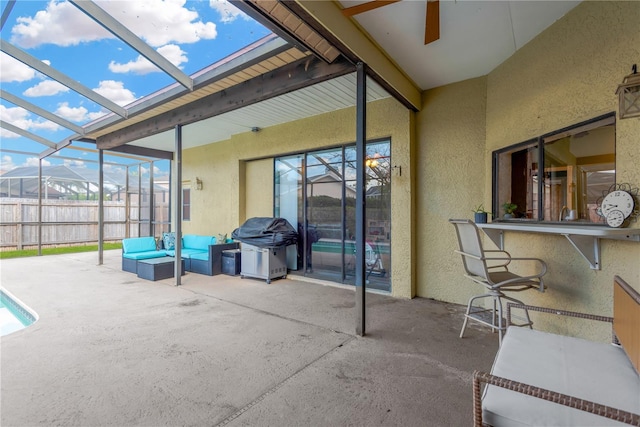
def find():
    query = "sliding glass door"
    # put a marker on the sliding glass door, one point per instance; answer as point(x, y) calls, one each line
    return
point(323, 210)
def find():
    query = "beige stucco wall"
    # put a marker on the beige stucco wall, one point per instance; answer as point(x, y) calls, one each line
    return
point(450, 175)
point(568, 74)
point(258, 193)
point(238, 174)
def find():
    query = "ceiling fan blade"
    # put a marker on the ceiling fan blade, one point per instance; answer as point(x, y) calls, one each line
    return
point(365, 7)
point(432, 22)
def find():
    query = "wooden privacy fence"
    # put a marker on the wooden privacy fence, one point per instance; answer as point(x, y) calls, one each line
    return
point(66, 222)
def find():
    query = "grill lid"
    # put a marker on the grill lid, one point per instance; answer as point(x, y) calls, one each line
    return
point(265, 232)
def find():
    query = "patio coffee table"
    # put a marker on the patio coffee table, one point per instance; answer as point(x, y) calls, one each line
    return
point(157, 268)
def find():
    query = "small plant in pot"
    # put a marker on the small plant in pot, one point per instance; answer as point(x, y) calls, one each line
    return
point(509, 209)
point(480, 215)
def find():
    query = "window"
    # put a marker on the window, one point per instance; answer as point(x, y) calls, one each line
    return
point(186, 204)
point(578, 165)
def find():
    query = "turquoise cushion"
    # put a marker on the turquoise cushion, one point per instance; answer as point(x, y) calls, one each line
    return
point(144, 255)
point(138, 244)
point(193, 241)
point(188, 252)
point(202, 256)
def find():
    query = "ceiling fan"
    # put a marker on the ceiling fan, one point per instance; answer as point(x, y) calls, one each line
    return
point(432, 20)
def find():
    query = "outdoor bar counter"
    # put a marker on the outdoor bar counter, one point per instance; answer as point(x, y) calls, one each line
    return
point(584, 238)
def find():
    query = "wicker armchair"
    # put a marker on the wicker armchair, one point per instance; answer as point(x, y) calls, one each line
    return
point(585, 380)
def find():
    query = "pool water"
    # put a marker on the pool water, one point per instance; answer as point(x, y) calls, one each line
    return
point(14, 315)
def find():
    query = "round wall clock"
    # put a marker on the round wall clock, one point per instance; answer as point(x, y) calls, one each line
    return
point(619, 204)
point(618, 200)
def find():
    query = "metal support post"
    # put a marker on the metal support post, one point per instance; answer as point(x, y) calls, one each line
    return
point(100, 206)
point(39, 207)
point(361, 126)
point(177, 188)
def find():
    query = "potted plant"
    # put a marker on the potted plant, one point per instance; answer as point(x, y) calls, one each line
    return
point(480, 215)
point(509, 209)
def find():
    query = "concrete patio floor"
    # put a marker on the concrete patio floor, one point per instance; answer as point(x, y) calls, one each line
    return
point(110, 349)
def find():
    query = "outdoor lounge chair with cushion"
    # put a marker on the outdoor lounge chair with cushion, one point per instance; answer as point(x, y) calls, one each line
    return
point(495, 276)
point(135, 248)
point(542, 378)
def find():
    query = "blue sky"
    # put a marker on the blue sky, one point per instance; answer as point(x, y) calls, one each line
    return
point(190, 34)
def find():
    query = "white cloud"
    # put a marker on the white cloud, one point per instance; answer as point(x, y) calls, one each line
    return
point(46, 88)
point(33, 161)
point(12, 114)
point(156, 171)
point(60, 23)
point(228, 12)
point(73, 114)
point(142, 65)
point(159, 22)
point(12, 70)
point(96, 115)
point(116, 92)
point(44, 125)
point(8, 134)
point(6, 163)
point(21, 118)
point(112, 169)
point(74, 163)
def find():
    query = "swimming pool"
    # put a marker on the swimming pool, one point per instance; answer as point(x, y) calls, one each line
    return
point(14, 314)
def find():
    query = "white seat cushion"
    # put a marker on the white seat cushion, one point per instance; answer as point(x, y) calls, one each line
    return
point(593, 371)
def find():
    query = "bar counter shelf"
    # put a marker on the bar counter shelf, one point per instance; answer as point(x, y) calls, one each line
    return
point(584, 238)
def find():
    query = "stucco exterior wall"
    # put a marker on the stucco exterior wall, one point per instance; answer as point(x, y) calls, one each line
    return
point(258, 188)
point(450, 174)
point(238, 175)
point(568, 74)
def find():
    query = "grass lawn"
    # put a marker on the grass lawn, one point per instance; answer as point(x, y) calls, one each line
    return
point(57, 251)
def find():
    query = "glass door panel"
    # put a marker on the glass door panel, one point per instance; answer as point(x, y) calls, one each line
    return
point(378, 216)
point(350, 215)
point(324, 191)
point(288, 201)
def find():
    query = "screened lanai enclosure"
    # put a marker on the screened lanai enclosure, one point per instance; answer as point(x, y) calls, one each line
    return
point(277, 69)
point(64, 209)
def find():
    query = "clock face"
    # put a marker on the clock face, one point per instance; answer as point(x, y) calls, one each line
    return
point(615, 218)
point(618, 200)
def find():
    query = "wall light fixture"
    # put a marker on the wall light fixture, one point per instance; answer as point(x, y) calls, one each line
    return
point(198, 184)
point(629, 95)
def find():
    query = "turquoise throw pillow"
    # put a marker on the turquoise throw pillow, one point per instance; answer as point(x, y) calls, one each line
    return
point(169, 241)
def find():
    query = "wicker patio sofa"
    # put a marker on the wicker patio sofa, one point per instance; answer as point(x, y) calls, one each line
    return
point(136, 248)
point(540, 378)
point(202, 254)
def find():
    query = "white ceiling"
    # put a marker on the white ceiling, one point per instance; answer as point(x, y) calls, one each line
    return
point(475, 36)
point(324, 97)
